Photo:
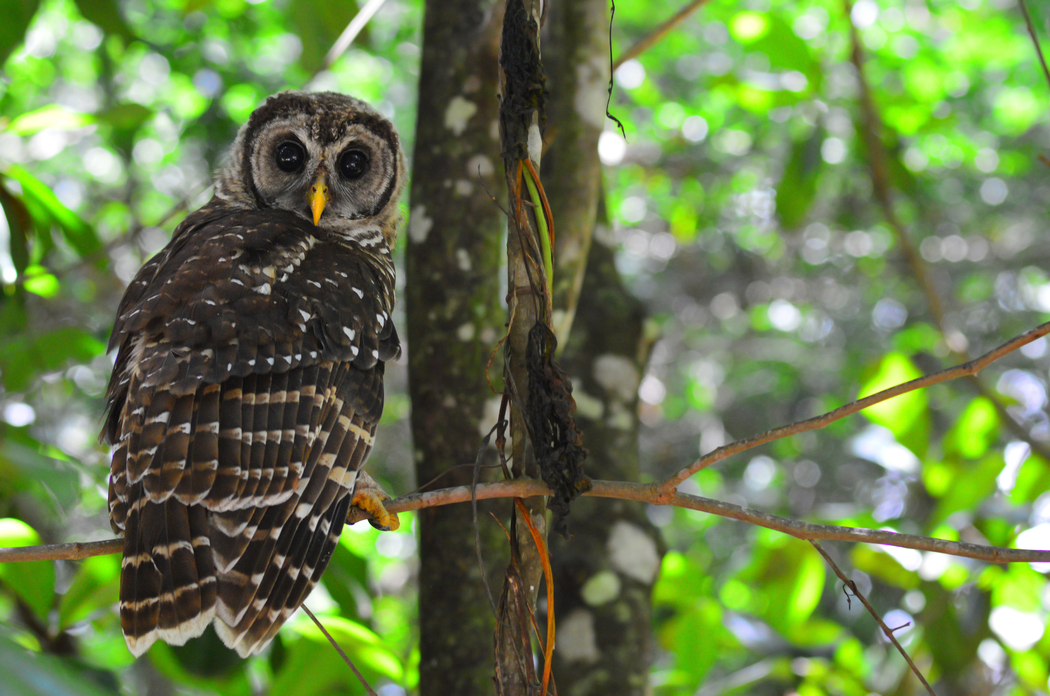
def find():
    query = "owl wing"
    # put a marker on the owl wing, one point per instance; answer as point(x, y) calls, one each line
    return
point(247, 388)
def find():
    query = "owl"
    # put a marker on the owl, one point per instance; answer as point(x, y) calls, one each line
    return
point(248, 379)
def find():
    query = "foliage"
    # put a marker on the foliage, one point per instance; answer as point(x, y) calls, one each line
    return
point(743, 204)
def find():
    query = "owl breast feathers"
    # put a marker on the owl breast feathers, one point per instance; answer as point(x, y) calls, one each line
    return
point(249, 377)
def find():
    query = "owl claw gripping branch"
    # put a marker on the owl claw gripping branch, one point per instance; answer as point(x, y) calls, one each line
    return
point(249, 377)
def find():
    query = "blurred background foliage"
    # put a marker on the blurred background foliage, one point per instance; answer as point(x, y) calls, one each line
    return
point(745, 214)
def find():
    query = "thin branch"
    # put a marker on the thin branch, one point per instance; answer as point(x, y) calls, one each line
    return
point(338, 649)
point(871, 610)
point(1035, 38)
point(660, 32)
point(352, 30)
point(817, 422)
point(622, 490)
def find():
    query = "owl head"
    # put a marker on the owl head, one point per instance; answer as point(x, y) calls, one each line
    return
point(326, 157)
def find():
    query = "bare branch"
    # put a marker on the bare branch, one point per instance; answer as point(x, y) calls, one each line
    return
point(623, 490)
point(660, 32)
point(871, 610)
point(817, 422)
point(1035, 38)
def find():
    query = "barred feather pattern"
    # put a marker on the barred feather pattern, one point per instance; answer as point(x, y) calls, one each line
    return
point(244, 400)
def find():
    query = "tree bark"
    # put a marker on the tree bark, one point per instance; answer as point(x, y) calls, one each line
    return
point(454, 322)
point(604, 574)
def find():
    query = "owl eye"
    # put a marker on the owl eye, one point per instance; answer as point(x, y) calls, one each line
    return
point(353, 164)
point(290, 156)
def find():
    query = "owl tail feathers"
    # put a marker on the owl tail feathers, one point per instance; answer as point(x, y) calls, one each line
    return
point(167, 577)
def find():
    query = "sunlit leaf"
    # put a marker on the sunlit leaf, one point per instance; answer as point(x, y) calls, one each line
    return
point(32, 581)
point(906, 416)
point(80, 235)
point(973, 482)
point(51, 116)
point(36, 674)
point(96, 585)
point(976, 430)
point(798, 185)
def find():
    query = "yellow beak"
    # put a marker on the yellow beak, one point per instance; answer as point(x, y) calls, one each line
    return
point(318, 197)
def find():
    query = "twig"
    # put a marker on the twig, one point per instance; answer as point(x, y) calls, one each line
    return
point(339, 650)
point(966, 369)
point(871, 610)
point(660, 32)
point(623, 490)
point(352, 30)
point(1035, 38)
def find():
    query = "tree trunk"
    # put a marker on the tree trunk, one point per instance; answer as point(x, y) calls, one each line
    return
point(454, 322)
point(605, 573)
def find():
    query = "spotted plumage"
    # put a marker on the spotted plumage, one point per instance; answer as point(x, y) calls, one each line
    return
point(249, 377)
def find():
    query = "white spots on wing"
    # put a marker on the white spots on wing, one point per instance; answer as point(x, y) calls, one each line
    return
point(633, 552)
point(463, 259)
point(465, 332)
point(350, 333)
point(238, 281)
point(418, 225)
point(480, 165)
point(375, 354)
point(314, 283)
point(305, 315)
point(458, 113)
point(617, 375)
point(270, 360)
point(210, 303)
point(354, 351)
point(263, 289)
point(251, 363)
point(576, 639)
point(381, 318)
point(358, 292)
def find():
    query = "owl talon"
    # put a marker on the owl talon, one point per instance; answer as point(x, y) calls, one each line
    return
point(367, 504)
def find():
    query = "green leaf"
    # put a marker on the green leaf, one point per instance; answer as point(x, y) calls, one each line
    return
point(975, 431)
point(32, 581)
point(319, 23)
point(127, 116)
point(884, 566)
point(19, 223)
point(907, 415)
point(313, 667)
point(786, 580)
point(798, 185)
point(23, 358)
point(1033, 479)
point(972, 484)
point(81, 236)
point(95, 588)
point(50, 116)
point(106, 15)
point(37, 674)
point(346, 571)
point(17, 16)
